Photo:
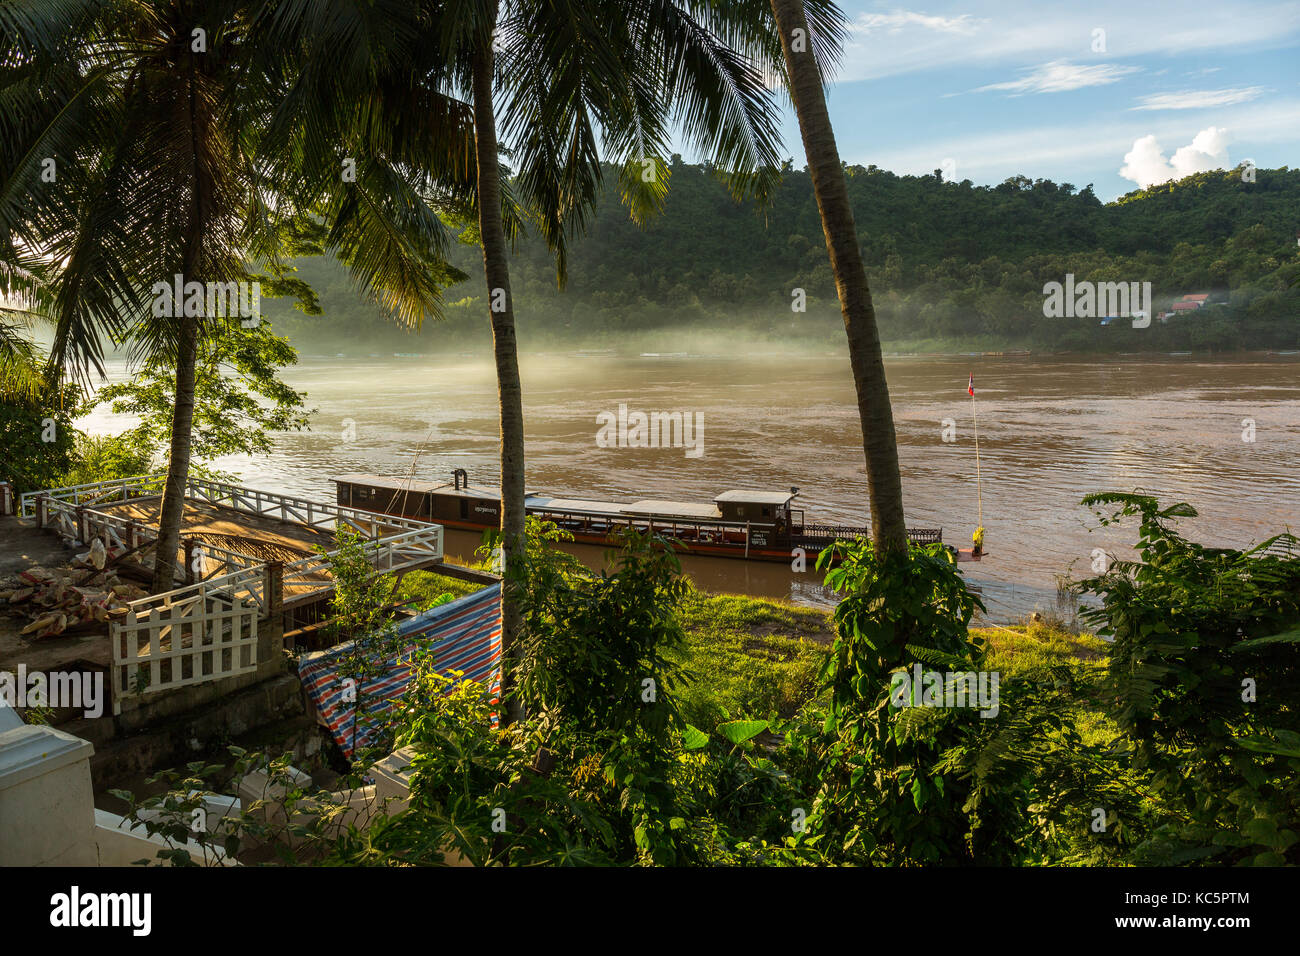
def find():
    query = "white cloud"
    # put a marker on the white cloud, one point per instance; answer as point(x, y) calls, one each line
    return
point(992, 155)
point(1209, 150)
point(897, 20)
point(1017, 32)
point(1199, 99)
point(1146, 165)
point(1059, 76)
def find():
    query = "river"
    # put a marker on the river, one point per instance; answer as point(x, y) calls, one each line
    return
point(1221, 433)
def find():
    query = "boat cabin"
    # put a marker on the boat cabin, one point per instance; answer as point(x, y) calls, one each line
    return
point(455, 501)
point(759, 507)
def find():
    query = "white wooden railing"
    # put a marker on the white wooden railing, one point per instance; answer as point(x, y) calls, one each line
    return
point(97, 493)
point(309, 576)
point(80, 525)
point(313, 514)
point(68, 511)
point(208, 629)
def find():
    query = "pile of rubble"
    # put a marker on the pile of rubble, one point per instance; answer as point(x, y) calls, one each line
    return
point(82, 596)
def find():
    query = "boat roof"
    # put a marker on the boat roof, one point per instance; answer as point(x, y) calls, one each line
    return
point(378, 481)
point(756, 497)
point(645, 506)
point(574, 504)
point(671, 509)
point(419, 486)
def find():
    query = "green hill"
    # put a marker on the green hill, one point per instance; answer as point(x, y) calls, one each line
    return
point(952, 265)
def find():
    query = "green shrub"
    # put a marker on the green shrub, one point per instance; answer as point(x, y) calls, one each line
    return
point(1205, 681)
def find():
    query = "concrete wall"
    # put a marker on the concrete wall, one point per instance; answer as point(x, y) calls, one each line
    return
point(48, 816)
point(169, 743)
point(47, 809)
point(47, 806)
point(119, 845)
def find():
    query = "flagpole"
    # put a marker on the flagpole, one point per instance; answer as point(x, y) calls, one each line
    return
point(979, 492)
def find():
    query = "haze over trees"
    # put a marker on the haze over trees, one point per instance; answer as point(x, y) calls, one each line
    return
point(950, 264)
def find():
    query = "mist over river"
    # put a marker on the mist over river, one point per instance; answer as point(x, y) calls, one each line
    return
point(1051, 430)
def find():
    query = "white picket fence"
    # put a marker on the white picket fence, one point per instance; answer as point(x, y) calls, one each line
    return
point(208, 630)
point(183, 641)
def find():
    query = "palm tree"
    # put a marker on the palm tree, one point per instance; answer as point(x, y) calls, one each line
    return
point(565, 79)
point(148, 181)
point(799, 45)
point(568, 72)
point(152, 113)
point(21, 378)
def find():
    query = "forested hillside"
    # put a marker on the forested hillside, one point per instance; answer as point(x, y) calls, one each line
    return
point(952, 265)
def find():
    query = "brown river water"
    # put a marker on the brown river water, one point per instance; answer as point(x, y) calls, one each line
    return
point(1051, 429)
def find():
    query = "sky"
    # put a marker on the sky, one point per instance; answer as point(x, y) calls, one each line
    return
point(1117, 94)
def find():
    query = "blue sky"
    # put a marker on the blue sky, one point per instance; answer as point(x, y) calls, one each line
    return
point(1068, 92)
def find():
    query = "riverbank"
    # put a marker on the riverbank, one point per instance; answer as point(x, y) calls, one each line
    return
point(759, 657)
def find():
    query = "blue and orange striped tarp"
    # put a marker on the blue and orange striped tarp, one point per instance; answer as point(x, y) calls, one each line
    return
point(465, 636)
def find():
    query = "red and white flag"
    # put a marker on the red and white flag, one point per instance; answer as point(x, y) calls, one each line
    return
point(970, 386)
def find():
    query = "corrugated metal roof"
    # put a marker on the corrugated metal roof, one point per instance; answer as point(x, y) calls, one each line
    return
point(575, 504)
point(671, 509)
point(419, 486)
point(755, 497)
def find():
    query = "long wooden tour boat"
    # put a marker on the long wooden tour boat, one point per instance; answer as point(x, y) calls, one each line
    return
point(753, 525)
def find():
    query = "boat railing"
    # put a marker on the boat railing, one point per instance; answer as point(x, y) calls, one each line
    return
point(828, 533)
point(621, 520)
point(718, 529)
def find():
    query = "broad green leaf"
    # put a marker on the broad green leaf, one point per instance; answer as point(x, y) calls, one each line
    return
point(738, 731)
point(694, 738)
point(1264, 745)
point(1285, 637)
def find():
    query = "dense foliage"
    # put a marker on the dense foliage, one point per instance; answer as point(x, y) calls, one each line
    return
point(1206, 683)
point(949, 263)
point(239, 397)
point(1186, 751)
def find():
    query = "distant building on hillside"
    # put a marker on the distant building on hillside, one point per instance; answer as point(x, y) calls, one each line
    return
point(1193, 302)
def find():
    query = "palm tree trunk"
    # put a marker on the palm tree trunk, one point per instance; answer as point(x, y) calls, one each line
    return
point(879, 444)
point(178, 460)
point(172, 513)
point(496, 268)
